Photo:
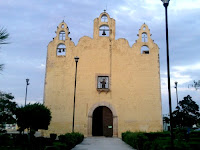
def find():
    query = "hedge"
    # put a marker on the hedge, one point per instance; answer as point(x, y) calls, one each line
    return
point(18, 142)
point(70, 139)
point(161, 140)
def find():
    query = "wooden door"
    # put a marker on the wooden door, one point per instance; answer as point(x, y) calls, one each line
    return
point(107, 122)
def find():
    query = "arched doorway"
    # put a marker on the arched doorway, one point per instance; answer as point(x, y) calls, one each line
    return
point(102, 122)
point(114, 113)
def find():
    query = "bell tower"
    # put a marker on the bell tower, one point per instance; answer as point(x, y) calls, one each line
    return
point(104, 26)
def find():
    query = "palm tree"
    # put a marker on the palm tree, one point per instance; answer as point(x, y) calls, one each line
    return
point(3, 37)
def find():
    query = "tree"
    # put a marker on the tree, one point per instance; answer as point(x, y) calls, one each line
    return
point(166, 120)
point(33, 117)
point(187, 113)
point(196, 84)
point(3, 37)
point(7, 109)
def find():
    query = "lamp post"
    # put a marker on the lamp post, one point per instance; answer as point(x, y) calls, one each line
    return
point(176, 86)
point(27, 83)
point(76, 60)
point(165, 4)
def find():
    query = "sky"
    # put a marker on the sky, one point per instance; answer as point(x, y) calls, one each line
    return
point(32, 25)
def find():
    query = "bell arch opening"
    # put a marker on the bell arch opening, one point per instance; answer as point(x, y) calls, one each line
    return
point(104, 30)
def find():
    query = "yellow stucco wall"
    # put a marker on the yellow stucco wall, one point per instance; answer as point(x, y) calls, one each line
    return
point(134, 81)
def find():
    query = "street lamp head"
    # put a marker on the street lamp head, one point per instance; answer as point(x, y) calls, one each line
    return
point(165, 2)
point(27, 80)
point(76, 58)
point(175, 84)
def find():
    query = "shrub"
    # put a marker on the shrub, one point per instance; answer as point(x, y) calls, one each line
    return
point(71, 139)
point(5, 139)
point(161, 140)
point(160, 143)
point(136, 140)
point(154, 135)
point(147, 141)
point(53, 136)
point(195, 134)
point(21, 139)
point(51, 148)
point(59, 145)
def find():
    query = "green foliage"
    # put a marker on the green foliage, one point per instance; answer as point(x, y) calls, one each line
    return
point(53, 136)
point(3, 37)
point(136, 140)
point(33, 116)
point(5, 139)
point(195, 134)
point(187, 113)
point(1, 67)
point(20, 141)
point(154, 135)
point(60, 145)
point(160, 144)
point(7, 109)
point(71, 139)
point(166, 120)
point(160, 140)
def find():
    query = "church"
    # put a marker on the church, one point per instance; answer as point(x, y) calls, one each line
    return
point(110, 89)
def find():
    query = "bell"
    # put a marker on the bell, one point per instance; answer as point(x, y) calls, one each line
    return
point(104, 33)
point(63, 50)
point(59, 50)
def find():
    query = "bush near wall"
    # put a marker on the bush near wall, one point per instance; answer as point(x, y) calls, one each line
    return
point(70, 140)
point(20, 142)
point(161, 140)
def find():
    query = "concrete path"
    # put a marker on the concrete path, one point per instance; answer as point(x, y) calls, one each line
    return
point(102, 143)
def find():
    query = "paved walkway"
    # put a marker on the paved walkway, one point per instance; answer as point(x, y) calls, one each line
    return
point(102, 143)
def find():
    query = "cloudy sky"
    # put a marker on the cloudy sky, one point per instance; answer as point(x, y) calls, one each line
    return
point(32, 25)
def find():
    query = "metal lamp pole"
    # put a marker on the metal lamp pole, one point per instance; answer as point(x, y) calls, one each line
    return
point(76, 60)
point(176, 87)
point(27, 83)
point(165, 4)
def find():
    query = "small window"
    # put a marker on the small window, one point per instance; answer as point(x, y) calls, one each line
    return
point(104, 18)
point(144, 37)
point(104, 30)
point(61, 50)
point(103, 82)
point(62, 35)
point(144, 28)
point(62, 26)
point(144, 49)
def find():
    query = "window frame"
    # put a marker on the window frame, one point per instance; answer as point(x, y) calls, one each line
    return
point(62, 35)
point(99, 89)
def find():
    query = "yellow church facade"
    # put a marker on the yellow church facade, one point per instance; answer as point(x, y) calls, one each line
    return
point(117, 86)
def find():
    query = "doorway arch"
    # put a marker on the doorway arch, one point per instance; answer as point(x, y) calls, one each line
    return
point(114, 116)
point(102, 122)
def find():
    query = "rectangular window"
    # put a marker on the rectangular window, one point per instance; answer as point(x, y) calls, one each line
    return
point(102, 82)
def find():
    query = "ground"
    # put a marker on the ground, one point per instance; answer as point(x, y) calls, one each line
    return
point(102, 143)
